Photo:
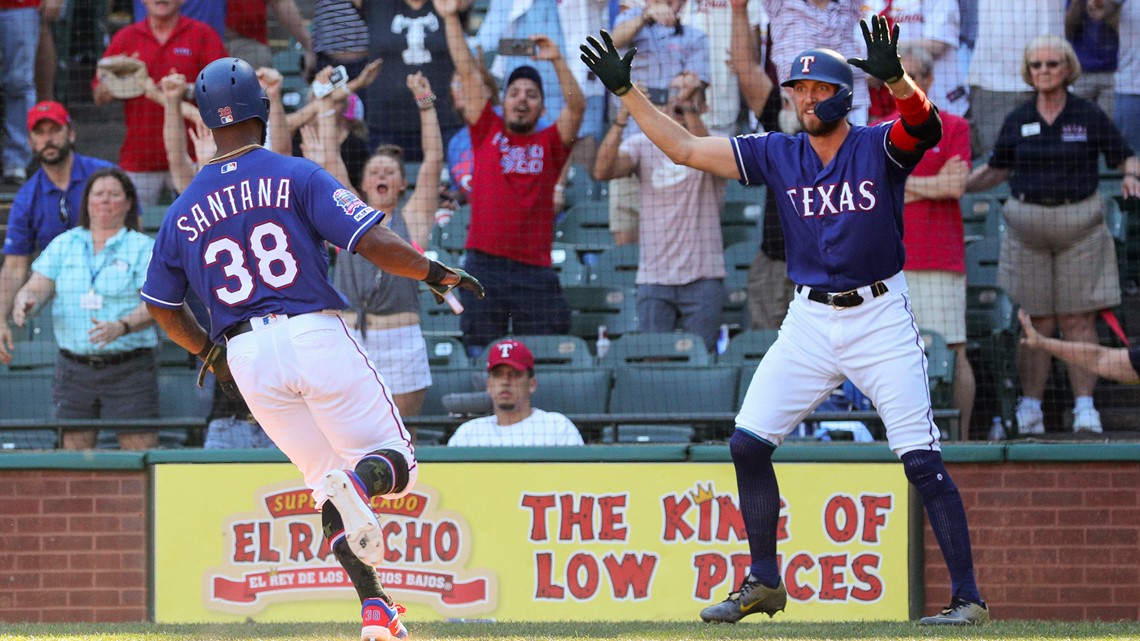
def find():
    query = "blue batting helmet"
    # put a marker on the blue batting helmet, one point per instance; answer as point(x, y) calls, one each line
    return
point(228, 92)
point(825, 65)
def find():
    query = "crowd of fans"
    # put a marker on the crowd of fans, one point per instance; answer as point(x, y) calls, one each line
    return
point(492, 107)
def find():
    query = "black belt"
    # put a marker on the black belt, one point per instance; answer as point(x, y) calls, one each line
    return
point(843, 299)
point(244, 327)
point(105, 360)
point(1049, 201)
point(237, 330)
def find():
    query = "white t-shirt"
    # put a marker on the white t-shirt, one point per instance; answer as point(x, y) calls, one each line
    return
point(541, 428)
point(799, 25)
point(1004, 28)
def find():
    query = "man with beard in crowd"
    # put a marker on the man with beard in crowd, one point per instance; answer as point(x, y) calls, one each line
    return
point(46, 205)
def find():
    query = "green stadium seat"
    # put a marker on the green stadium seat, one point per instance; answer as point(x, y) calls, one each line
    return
point(639, 433)
point(616, 267)
point(586, 226)
point(446, 352)
point(992, 331)
point(982, 262)
point(450, 381)
point(591, 306)
point(657, 349)
point(565, 262)
point(437, 319)
point(152, 217)
point(749, 347)
point(673, 390)
point(572, 391)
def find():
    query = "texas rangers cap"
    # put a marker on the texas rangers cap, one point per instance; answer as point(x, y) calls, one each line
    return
point(48, 110)
point(511, 353)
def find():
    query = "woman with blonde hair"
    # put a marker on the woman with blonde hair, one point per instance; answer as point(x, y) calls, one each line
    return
point(1057, 257)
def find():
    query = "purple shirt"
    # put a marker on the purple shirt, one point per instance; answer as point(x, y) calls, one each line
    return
point(248, 237)
point(843, 224)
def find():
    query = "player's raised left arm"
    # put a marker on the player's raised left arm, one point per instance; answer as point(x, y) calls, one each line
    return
point(710, 154)
point(919, 128)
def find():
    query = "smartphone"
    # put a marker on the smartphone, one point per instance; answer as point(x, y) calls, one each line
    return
point(659, 96)
point(338, 78)
point(517, 47)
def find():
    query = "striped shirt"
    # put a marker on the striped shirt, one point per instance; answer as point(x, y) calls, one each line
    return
point(799, 24)
point(338, 27)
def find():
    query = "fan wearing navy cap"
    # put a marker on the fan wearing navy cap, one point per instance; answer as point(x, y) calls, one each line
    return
point(511, 382)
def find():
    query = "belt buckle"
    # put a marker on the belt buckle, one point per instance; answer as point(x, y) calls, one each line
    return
point(833, 298)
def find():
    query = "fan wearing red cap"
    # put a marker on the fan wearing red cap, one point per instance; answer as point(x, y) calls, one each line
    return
point(45, 206)
point(511, 383)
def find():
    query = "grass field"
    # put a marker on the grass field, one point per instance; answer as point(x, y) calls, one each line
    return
point(635, 631)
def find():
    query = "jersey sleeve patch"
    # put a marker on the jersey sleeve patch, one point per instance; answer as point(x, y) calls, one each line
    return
point(351, 204)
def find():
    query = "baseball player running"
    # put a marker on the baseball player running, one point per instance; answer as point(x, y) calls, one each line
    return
point(248, 237)
point(840, 204)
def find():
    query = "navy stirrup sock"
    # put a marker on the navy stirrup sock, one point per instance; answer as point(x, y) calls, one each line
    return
point(947, 517)
point(759, 502)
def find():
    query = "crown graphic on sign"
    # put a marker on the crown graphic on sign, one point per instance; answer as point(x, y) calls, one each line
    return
point(702, 494)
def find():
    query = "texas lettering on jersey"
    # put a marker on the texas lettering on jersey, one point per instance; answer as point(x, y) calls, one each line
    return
point(234, 199)
point(822, 200)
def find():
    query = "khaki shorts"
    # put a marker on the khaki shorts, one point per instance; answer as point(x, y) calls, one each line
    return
point(625, 204)
point(938, 301)
point(1058, 260)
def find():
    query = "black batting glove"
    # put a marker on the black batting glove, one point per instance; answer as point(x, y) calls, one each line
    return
point(437, 272)
point(609, 66)
point(214, 360)
point(882, 51)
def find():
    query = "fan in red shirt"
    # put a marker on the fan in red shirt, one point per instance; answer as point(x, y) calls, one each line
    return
point(165, 41)
point(512, 200)
point(935, 252)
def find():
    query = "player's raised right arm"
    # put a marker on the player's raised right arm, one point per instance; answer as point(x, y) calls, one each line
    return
point(711, 154)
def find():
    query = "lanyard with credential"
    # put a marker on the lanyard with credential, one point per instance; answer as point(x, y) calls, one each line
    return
point(108, 257)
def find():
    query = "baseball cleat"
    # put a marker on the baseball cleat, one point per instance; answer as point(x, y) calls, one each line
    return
point(1087, 420)
point(381, 621)
point(959, 612)
point(361, 528)
point(750, 598)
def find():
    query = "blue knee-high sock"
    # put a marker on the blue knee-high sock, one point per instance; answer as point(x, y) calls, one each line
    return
point(947, 517)
point(759, 502)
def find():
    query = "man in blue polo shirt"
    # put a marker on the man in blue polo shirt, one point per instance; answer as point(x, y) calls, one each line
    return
point(46, 205)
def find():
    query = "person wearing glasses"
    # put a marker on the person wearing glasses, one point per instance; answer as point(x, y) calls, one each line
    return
point(45, 206)
point(92, 274)
point(1057, 256)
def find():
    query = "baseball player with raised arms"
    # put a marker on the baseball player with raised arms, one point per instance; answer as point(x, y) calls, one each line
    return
point(840, 200)
point(248, 237)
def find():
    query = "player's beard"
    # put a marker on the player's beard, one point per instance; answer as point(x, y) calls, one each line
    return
point(819, 127)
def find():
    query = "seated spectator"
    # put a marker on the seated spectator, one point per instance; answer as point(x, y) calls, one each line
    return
point(107, 365)
point(384, 311)
point(1057, 260)
point(680, 275)
point(164, 41)
point(45, 206)
point(511, 383)
point(232, 426)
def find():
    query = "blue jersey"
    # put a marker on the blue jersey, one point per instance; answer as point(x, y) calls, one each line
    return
point(843, 224)
point(247, 236)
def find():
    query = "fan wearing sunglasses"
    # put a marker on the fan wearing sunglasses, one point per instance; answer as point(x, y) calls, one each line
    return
point(46, 205)
point(1057, 259)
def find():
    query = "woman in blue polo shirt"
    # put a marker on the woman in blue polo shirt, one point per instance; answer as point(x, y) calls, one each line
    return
point(106, 366)
point(1057, 257)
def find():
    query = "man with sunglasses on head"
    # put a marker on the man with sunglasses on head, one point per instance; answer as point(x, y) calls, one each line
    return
point(46, 205)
